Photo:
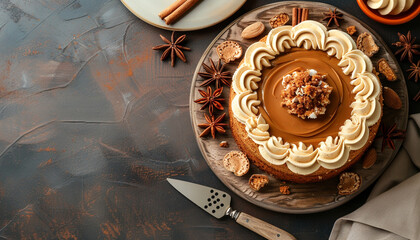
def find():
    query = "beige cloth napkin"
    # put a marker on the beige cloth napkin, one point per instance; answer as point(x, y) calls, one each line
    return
point(392, 211)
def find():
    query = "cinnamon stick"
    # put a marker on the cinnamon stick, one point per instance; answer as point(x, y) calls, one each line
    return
point(177, 13)
point(299, 19)
point(171, 8)
point(294, 16)
point(305, 13)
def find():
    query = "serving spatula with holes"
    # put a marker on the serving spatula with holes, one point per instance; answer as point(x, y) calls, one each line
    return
point(217, 203)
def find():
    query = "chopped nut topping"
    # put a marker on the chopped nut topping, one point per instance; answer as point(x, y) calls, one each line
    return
point(306, 93)
point(258, 181)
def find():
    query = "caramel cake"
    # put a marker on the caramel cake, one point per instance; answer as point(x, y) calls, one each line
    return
point(304, 103)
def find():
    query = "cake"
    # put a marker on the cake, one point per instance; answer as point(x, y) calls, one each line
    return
point(309, 134)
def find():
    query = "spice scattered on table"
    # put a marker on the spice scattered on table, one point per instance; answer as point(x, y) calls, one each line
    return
point(176, 10)
point(229, 51)
point(366, 44)
point(172, 48)
point(386, 70)
point(213, 125)
point(333, 16)
point(407, 46)
point(211, 99)
point(215, 74)
point(390, 134)
point(279, 20)
point(414, 71)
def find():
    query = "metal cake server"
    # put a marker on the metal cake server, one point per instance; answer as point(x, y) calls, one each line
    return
point(217, 204)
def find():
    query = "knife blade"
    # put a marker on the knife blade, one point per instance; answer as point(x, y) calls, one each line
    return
point(217, 203)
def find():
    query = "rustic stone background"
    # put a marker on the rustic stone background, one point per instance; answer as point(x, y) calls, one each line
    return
point(92, 123)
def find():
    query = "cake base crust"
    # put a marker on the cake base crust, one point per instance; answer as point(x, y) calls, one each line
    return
point(250, 148)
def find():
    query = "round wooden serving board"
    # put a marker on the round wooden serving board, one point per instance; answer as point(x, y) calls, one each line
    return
point(304, 198)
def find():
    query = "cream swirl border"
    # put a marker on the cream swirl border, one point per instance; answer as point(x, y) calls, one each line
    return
point(353, 135)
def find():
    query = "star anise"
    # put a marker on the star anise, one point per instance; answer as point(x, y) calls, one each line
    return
point(215, 74)
point(414, 71)
point(331, 16)
point(407, 46)
point(172, 47)
point(417, 97)
point(211, 99)
point(389, 134)
point(213, 125)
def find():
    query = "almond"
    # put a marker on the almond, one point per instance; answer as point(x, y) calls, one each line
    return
point(369, 158)
point(253, 30)
point(391, 98)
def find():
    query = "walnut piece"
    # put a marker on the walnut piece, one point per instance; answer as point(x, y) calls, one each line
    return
point(258, 181)
point(351, 30)
point(236, 162)
point(386, 70)
point(349, 183)
point(306, 93)
point(285, 190)
point(366, 44)
point(229, 51)
point(279, 20)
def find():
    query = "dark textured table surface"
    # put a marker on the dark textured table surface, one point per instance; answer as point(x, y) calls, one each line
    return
point(92, 123)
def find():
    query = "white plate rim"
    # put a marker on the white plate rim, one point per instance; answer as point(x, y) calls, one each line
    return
point(165, 27)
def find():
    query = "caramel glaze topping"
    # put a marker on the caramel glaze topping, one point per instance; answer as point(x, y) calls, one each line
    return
point(290, 127)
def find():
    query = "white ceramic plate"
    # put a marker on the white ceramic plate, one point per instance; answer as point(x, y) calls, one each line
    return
point(205, 13)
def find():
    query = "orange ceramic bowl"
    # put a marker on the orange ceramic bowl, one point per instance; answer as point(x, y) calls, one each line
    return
point(391, 19)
